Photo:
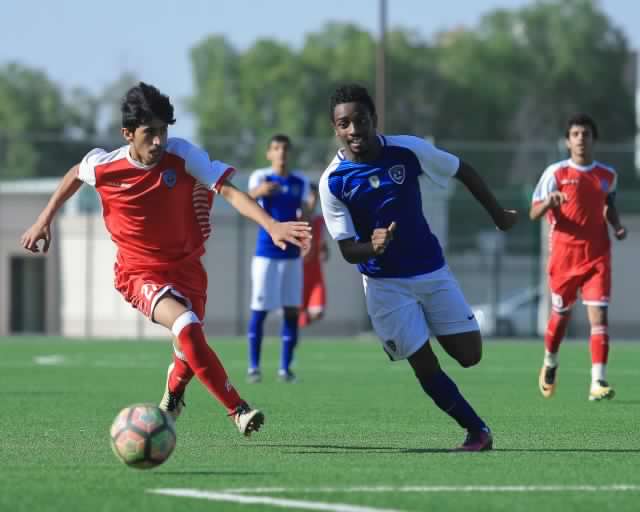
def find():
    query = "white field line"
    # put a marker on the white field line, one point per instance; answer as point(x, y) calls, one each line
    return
point(49, 360)
point(267, 500)
point(442, 488)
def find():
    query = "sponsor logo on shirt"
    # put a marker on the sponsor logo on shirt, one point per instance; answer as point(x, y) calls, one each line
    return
point(349, 195)
point(169, 177)
point(397, 173)
point(569, 181)
point(120, 184)
point(374, 181)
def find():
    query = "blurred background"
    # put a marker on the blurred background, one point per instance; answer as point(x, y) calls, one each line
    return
point(491, 81)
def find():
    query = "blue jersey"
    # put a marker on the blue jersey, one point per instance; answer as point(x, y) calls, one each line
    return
point(360, 197)
point(284, 205)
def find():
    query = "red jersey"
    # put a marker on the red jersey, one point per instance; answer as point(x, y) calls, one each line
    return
point(313, 257)
point(580, 221)
point(158, 216)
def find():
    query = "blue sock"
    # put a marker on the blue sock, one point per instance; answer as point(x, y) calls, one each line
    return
point(289, 341)
point(255, 337)
point(444, 392)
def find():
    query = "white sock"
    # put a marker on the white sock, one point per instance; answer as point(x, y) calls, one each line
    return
point(550, 359)
point(598, 372)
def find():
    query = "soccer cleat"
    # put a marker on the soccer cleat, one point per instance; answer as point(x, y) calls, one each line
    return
point(287, 376)
point(600, 390)
point(477, 441)
point(171, 403)
point(247, 420)
point(547, 381)
point(254, 376)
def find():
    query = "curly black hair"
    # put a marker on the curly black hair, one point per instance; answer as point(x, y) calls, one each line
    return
point(142, 103)
point(351, 93)
point(581, 119)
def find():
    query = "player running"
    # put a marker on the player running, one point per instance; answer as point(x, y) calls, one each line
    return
point(578, 198)
point(276, 273)
point(372, 206)
point(157, 216)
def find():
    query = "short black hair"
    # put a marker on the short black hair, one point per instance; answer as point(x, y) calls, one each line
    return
point(280, 137)
point(351, 93)
point(581, 119)
point(144, 102)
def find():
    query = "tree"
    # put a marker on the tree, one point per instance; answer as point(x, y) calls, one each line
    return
point(36, 124)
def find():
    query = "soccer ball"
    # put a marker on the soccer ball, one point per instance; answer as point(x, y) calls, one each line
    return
point(143, 436)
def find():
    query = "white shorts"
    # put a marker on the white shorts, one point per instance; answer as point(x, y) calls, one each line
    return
point(404, 311)
point(275, 283)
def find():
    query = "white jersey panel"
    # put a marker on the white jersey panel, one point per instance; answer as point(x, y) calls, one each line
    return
point(336, 214)
point(199, 164)
point(95, 157)
point(547, 183)
point(438, 165)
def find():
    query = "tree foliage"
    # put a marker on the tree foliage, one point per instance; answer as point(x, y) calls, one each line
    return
point(515, 77)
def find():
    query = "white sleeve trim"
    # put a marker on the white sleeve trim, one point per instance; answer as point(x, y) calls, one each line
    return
point(438, 165)
point(199, 165)
point(336, 214)
point(87, 168)
point(547, 183)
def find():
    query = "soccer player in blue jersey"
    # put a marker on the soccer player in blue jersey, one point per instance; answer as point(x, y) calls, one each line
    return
point(372, 206)
point(276, 274)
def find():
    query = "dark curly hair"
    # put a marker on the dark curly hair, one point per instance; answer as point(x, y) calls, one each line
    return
point(142, 103)
point(351, 93)
point(581, 120)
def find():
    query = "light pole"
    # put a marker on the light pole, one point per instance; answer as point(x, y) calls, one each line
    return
point(380, 62)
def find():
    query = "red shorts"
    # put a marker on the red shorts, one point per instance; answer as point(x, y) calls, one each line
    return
point(143, 288)
point(567, 276)
point(314, 295)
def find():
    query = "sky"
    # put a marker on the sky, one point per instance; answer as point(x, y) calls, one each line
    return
point(89, 44)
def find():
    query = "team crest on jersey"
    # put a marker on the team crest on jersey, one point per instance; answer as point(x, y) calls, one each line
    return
point(604, 185)
point(374, 181)
point(169, 177)
point(397, 174)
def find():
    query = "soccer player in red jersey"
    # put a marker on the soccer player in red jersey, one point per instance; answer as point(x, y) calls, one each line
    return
point(156, 193)
point(314, 295)
point(578, 198)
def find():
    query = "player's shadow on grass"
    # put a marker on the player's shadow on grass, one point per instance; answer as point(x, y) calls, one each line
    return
point(568, 450)
point(216, 473)
point(314, 449)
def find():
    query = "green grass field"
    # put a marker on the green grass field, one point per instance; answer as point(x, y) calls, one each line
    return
point(355, 434)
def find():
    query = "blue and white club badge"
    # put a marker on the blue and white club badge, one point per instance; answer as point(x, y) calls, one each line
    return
point(397, 173)
point(374, 181)
point(169, 177)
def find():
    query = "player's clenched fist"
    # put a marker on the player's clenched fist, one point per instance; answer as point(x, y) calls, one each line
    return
point(382, 237)
point(506, 220)
point(555, 199)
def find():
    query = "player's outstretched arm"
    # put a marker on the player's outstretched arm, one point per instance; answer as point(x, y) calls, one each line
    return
point(613, 217)
point(503, 219)
point(296, 233)
point(40, 230)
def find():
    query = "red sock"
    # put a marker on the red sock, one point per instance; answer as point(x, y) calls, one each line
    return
point(599, 342)
point(180, 376)
point(203, 360)
point(556, 329)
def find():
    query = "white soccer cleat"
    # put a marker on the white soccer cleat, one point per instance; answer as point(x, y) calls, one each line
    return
point(171, 403)
point(600, 390)
point(247, 420)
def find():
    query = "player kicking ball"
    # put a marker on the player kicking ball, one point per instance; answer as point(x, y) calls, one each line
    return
point(150, 193)
point(578, 198)
point(372, 207)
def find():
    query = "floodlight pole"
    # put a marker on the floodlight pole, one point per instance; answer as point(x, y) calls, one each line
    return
point(380, 62)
